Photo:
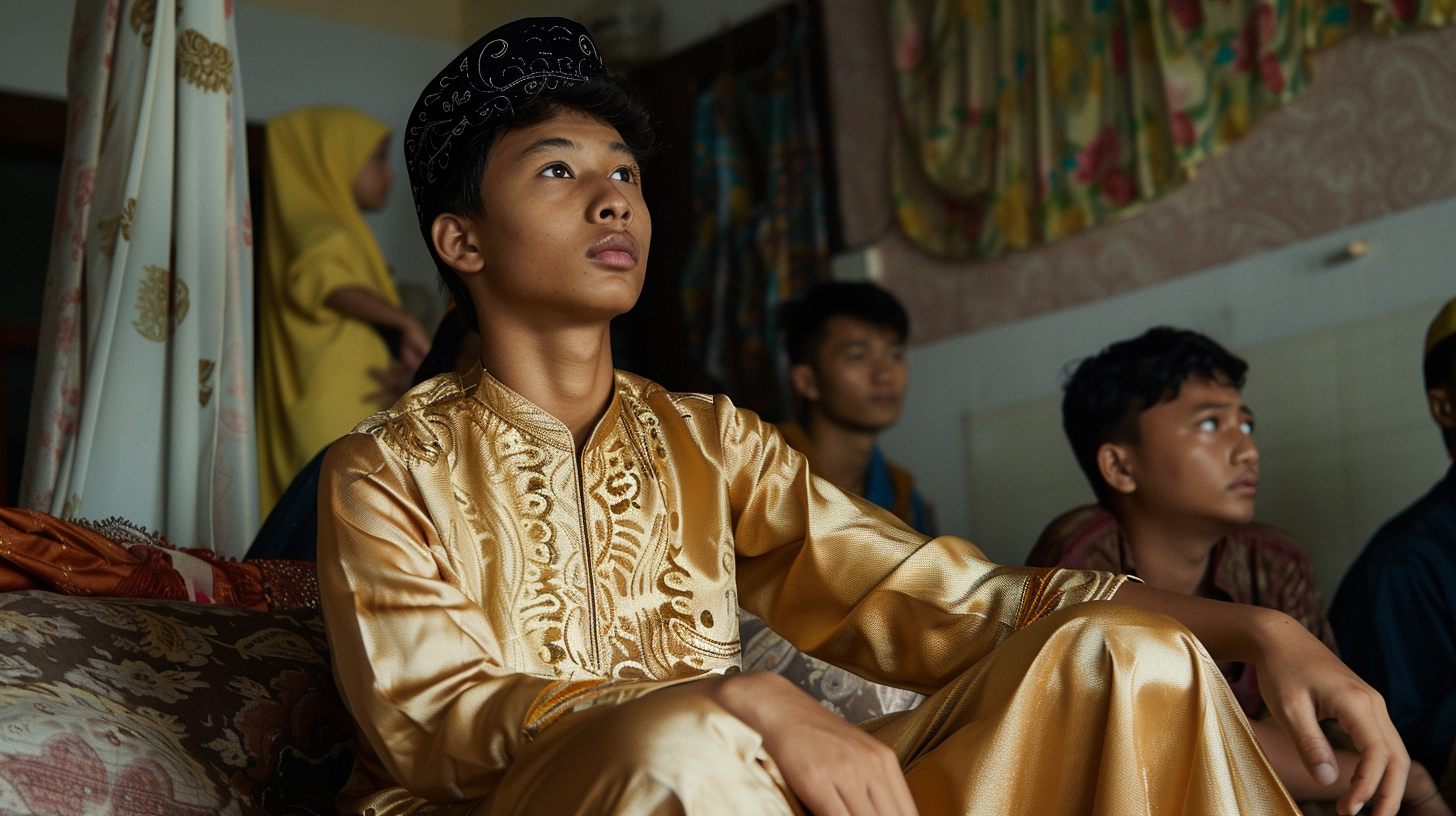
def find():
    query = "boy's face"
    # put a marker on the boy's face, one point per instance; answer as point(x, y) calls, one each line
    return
point(859, 377)
point(1195, 457)
point(563, 233)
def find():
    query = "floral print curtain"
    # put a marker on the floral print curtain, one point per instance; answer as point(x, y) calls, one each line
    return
point(143, 405)
point(762, 228)
point(1023, 122)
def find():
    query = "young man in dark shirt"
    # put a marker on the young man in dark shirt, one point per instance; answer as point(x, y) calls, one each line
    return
point(1395, 612)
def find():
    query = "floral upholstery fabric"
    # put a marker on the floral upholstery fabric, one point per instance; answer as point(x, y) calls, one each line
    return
point(1021, 123)
point(127, 706)
point(848, 695)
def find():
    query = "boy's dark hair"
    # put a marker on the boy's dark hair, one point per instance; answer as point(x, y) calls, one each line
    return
point(1440, 364)
point(1107, 392)
point(804, 319)
point(603, 97)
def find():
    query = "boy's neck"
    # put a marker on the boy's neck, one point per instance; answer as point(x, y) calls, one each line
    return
point(842, 454)
point(1170, 553)
point(565, 371)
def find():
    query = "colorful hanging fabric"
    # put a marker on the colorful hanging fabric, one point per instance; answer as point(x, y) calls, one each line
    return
point(1021, 123)
point(144, 385)
point(762, 231)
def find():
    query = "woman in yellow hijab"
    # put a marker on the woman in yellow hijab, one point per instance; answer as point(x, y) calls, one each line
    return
point(325, 292)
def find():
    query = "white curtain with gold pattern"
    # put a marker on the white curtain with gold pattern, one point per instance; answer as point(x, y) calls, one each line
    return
point(143, 405)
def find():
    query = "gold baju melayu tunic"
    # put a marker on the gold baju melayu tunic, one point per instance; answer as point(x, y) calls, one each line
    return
point(500, 608)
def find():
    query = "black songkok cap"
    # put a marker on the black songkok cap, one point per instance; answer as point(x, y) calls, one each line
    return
point(482, 89)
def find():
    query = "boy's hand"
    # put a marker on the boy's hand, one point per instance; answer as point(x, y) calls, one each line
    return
point(833, 767)
point(1303, 683)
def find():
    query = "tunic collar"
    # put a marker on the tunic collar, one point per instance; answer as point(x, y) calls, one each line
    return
point(526, 417)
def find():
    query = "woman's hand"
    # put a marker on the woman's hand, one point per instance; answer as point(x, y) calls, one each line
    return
point(393, 382)
point(414, 342)
point(833, 767)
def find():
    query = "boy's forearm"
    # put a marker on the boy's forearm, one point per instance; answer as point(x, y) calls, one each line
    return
point(1238, 632)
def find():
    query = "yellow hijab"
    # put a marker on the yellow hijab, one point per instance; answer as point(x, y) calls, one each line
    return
point(314, 362)
point(314, 155)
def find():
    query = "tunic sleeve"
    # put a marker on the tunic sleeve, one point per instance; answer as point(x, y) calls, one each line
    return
point(323, 269)
point(418, 662)
point(849, 583)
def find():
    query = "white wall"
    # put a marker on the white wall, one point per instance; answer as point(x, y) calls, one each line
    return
point(1339, 348)
point(35, 36)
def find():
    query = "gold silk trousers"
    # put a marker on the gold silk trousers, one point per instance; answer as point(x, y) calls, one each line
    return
point(501, 607)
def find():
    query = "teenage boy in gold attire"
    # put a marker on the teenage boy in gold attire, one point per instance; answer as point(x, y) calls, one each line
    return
point(530, 573)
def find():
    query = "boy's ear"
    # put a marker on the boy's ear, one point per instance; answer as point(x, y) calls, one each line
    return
point(1443, 406)
point(1114, 461)
point(456, 243)
point(805, 383)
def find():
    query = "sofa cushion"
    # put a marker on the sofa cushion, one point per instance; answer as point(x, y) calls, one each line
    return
point(848, 695)
point(132, 706)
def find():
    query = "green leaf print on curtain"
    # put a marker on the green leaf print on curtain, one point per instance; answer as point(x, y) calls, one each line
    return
point(1023, 121)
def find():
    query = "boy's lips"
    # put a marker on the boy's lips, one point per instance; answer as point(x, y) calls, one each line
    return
point(1247, 484)
point(618, 250)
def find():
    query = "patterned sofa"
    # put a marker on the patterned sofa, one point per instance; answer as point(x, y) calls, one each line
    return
point(136, 706)
point(120, 696)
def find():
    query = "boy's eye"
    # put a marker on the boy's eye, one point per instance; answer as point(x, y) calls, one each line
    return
point(623, 174)
point(1209, 425)
point(1247, 427)
point(557, 171)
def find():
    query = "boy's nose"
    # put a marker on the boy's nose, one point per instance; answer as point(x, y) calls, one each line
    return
point(611, 205)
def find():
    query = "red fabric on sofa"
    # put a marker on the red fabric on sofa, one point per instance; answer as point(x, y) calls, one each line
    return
point(40, 551)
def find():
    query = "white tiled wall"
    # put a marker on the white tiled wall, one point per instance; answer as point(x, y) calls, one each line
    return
point(1344, 438)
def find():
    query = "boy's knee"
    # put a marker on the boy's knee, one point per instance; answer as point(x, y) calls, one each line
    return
point(1125, 636)
point(673, 729)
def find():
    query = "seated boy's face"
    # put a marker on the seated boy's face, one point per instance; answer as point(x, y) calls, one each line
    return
point(1196, 457)
point(563, 228)
point(860, 374)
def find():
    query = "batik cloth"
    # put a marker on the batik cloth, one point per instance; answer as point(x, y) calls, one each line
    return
point(1395, 617)
point(503, 611)
point(1257, 565)
point(314, 362)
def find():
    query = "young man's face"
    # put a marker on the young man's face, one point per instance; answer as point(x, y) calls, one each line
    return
point(858, 379)
point(563, 232)
point(1195, 457)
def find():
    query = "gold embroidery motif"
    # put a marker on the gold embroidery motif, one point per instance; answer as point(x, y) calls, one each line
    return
point(204, 63)
point(161, 304)
point(204, 388)
point(1039, 599)
point(107, 120)
point(121, 223)
point(144, 20)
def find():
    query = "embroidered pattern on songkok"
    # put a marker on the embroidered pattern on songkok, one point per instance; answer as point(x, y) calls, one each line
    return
point(484, 87)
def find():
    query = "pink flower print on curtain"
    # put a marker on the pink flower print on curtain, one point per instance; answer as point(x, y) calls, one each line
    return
point(144, 385)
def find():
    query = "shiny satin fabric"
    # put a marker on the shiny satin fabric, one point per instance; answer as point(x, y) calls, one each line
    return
point(489, 595)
